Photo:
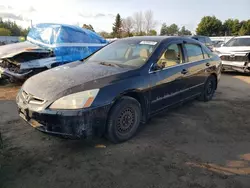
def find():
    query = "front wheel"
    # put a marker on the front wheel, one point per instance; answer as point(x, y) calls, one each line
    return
point(124, 120)
point(209, 89)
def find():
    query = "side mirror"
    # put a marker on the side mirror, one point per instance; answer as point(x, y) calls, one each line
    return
point(222, 44)
point(156, 67)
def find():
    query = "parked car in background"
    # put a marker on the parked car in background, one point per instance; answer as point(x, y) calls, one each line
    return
point(110, 40)
point(205, 40)
point(47, 46)
point(235, 54)
point(218, 43)
point(119, 86)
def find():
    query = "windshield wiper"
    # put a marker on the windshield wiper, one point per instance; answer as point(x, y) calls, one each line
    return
point(109, 64)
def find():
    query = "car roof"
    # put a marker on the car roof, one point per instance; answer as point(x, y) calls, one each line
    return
point(198, 36)
point(154, 38)
point(51, 25)
point(246, 36)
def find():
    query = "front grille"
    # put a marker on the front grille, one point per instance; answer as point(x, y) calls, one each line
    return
point(234, 58)
point(24, 94)
point(36, 100)
point(31, 99)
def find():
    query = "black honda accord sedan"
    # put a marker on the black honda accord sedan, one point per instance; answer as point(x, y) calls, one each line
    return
point(120, 86)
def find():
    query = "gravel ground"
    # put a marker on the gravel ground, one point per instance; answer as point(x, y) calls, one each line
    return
point(196, 145)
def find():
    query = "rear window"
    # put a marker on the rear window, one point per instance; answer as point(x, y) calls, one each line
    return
point(194, 52)
point(238, 42)
point(208, 40)
point(201, 39)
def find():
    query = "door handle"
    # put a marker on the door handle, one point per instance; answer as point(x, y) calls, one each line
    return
point(184, 71)
point(207, 64)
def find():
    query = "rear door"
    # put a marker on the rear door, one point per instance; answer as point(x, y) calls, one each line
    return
point(195, 66)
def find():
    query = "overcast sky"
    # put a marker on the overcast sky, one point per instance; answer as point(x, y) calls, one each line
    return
point(101, 13)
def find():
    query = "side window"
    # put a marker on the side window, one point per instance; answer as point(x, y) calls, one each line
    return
point(206, 56)
point(171, 56)
point(208, 40)
point(202, 40)
point(194, 52)
point(207, 53)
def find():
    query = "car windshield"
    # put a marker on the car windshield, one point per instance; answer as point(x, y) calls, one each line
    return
point(124, 53)
point(238, 42)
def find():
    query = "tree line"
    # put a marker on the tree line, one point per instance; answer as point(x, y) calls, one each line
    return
point(143, 23)
point(173, 29)
point(9, 28)
point(139, 24)
point(212, 26)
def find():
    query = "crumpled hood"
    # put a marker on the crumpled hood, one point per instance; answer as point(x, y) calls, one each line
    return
point(10, 50)
point(230, 50)
point(67, 79)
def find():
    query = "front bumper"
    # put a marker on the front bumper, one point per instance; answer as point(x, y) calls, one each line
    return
point(4, 72)
point(82, 123)
point(236, 65)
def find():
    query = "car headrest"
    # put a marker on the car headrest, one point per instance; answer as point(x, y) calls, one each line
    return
point(144, 53)
point(170, 54)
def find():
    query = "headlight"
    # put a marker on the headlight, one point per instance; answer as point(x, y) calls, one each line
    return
point(76, 101)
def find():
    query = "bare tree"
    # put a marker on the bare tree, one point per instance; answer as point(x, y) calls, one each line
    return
point(127, 25)
point(138, 22)
point(150, 23)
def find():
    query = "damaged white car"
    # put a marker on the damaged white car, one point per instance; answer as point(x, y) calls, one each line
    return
point(235, 54)
point(47, 46)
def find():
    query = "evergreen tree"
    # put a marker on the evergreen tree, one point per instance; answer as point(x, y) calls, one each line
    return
point(117, 26)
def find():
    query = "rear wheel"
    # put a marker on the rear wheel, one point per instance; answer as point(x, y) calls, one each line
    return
point(124, 120)
point(209, 89)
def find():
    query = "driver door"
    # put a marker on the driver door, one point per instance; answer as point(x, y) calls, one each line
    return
point(168, 81)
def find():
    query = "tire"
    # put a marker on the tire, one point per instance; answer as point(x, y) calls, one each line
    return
point(124, 120)
point(209, 89)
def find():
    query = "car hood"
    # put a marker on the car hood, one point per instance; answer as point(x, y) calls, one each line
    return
point(73, 77)
point(238, 49)
point(10, 50)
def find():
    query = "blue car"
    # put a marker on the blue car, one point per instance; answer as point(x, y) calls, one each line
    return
point(47, 46)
